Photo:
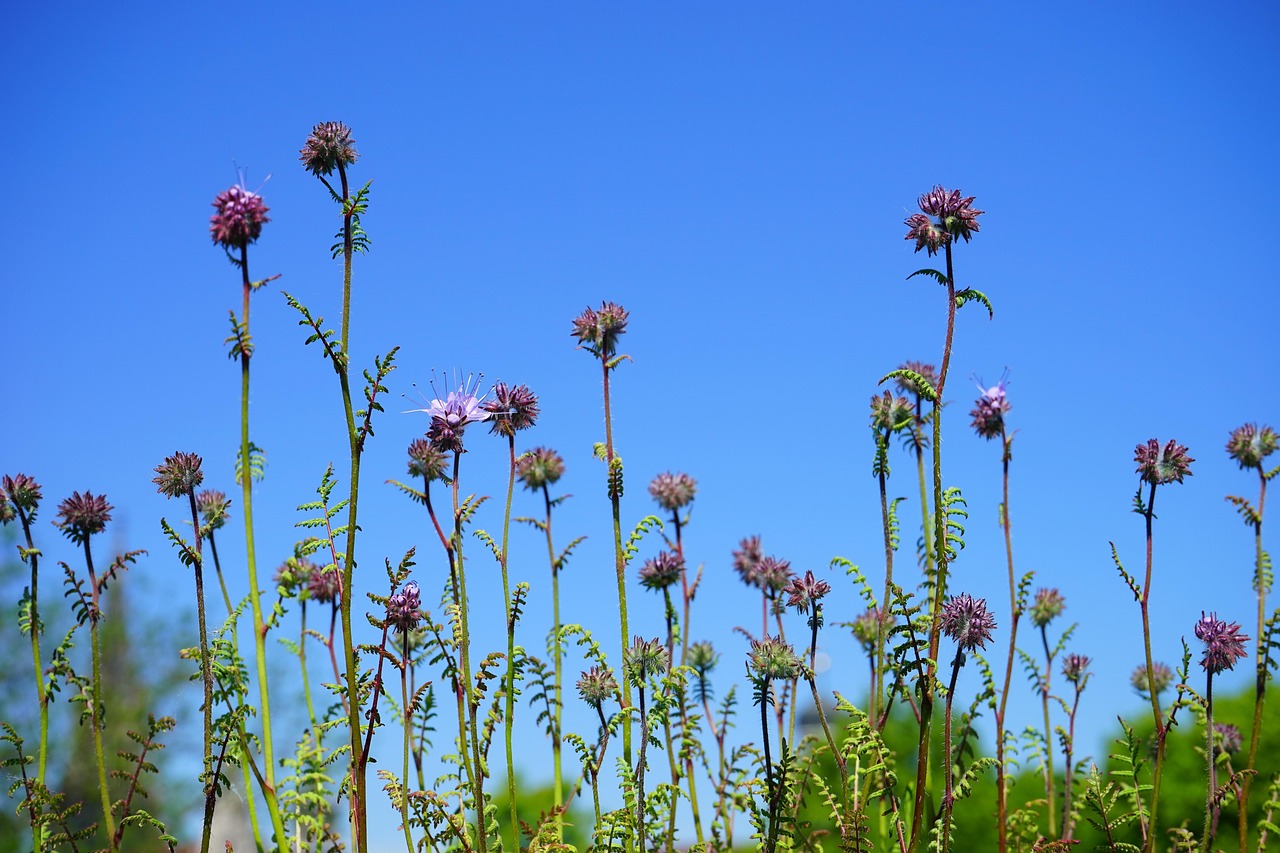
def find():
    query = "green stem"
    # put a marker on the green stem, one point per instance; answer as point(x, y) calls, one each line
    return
point(1260, 682)
point(104, 794)
point(948, 798)
point(1156, 714)
point(1002, 793)
point(877, 679)
point(37, 832)
point(206, 673)
point(408, 733)
point(1213, 766)
point(620, 561)
point(511, 641)
point(1048, 732)
point(477, 773)
point(556, 760)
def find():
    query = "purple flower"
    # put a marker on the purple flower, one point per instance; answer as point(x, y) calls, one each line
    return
point(661, 571)
point(1161, 678)
point(597, 685)
point(866, 627)
point(806, 592)
point(512, 408)
point(1249, 445)
point(598, 331)
point(1159, 467)
point(1076, 668)
point(746, 560)
point(890, 413)
point(989, 410)
point(328, 146)
point(773, 575)
point(425, 460)
point(673, 491)
point(1228, 738)
point(22, 492)
point(451, 415)
point(179, 474)
point(952, 216)
point(81, 516)
point(325, 585)
point(539, 467)
point(1223, 643)
point(212, 506)
point(965, 619)
point(1048, 606)
point(910, 386)
point(402, 608)
point(294, 576)
point(239, 218)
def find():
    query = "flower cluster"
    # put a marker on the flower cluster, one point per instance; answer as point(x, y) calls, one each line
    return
point(890, 413)
point(1158, 682)
point(212, 506)
point(747, 558)
point(1223, 643)
point(179, 474)
point(598, 331)
point(1158, 467)
point(294, 575)
point(1048, 606)
point(806, 592)
point(81, 516)
point(673, 491)
point(239, 218)
point(19, 492)
point(540, 467)
point(597, 685)
point(328, 147)
point(1076, 669)
point(512, 409)
point(660, 572)
point(325, 585)
point(402, 608)
point(1249, 445)
point(1228, 738)
point(866, 628)
point(451, 416)
point(945, 215)
point(425, 460)
point(772, 658)
point(989, 410)
point(644, 658)
point(965, 619)
point(702, 657)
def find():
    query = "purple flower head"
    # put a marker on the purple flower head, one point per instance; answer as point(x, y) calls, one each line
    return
point(1161, 678)
point(294, 576)
point(1158, 467)
point(239, 217)
point(866, 628)
point(965, 619)
point(806, 592)
point(673, 491)
point(402, 607)
point(325, 585)
point(597, 685)
point(81, 516)
point(773, 575)
point(989, 410)
point(890, 413)
point(598, 331)
point(909, 386)
point(945, 215)
point(451, 413)
point(328, 146)
point(512, 409)
point(179, 474)
point(212, 506)
point(660, 572)
point(19, 492)
point(1048, 606)
point(1223, 643)
point(425, 460)
point(644, 658)
point(746, 560)
point(1076, 669)
point(773, 659)
point(1249, 445)
point(1227, 738)
point(539, 467)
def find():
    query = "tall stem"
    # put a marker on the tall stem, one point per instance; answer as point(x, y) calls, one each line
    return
point(1048, 731)
point(1002, 793)
point(206, 674)
point(620, 561)
point(1260, 681)
point(408, 734)
point(1210, 818)
point(948, 796)
point(33, 557)
point(477, 773)
point(108, 818)
point(1156, 714)
point(557, 655)
point(511, 642)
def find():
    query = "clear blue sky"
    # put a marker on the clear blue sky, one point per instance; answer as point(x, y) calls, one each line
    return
point(734, 174)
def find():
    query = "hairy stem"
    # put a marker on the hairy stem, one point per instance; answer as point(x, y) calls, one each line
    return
point(1015, 614)
point(96, 721)
point(1156, 714)
point(620, 560)
point(1260, 680)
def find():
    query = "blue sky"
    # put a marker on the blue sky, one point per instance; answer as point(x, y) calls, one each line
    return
point(737, 177)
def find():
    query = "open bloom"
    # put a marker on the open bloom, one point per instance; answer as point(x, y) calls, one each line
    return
point(451, 414)
point(945, 215)
point(989, 410)
point(965, 619)
point(805, 592)
point(179, 474)
point(239, 217)
point(1223, 643)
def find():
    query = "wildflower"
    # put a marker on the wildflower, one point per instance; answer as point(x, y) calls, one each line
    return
point(1159, 467)
point(1227, 738)
point(773, 574)
point(890, 413)
point(773, 659)
point(512, 408)
point(540, 467)
point(598, 331)
point(425, 460)
point(1249, 445)
point(325, 585)
point(643, 659)
point(596, 685)
point(866, 627)
point(989, 410)
point(451, 415)
point(294, 576)
point(239, 218)
point(953, 216)
point(673, 491)
point(1158, 682)
point(179, 474)
point(702, 657)
point(402, 607)
point(661, 571)
point(22, 491)
point(746, 560)
point(1223, 643)
point(965, 619)
point(909, 386)
point(1076, 668)
point(83, 515)
point(1048, 606)
point(212, 506)
point(805, 592)
point(328, 147)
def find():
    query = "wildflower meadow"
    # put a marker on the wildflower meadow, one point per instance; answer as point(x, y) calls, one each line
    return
point(448, 610)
